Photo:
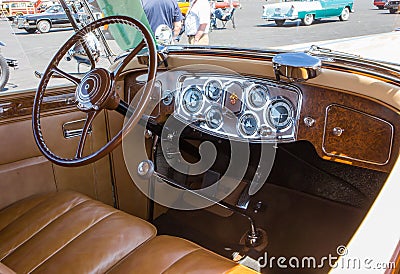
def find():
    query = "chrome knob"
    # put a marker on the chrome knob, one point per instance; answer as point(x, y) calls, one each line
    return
point(168, 97)
point(145, 169)
point(309, 121)
point(337, 131)
point(148, 134)
point(265, 131)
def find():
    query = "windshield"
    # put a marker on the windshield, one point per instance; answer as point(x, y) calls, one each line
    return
point(54, 9)
point(365, 28)
point(355, 27)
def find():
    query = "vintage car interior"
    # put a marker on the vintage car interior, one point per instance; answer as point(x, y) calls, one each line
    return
point(92, 165)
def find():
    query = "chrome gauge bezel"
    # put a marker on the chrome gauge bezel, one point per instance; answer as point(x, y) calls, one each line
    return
point(207, 119)
point(240, 124)
point(266, 129)
point(282, 126)
point(183, 101)
point(249, 102)
point(207, 92)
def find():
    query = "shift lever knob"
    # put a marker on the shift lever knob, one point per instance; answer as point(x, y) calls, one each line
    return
point(145, 169)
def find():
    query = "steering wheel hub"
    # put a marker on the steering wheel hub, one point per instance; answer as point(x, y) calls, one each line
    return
point(93, 89)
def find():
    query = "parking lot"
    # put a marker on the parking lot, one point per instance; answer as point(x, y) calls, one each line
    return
point(33, 51)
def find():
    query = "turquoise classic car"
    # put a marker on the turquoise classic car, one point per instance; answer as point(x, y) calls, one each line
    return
point(307, 11)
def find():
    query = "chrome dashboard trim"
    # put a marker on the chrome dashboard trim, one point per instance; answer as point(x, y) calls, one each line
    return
point(230, 126)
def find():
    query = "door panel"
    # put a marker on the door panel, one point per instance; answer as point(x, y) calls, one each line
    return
point(23, 178)
point(23, 169)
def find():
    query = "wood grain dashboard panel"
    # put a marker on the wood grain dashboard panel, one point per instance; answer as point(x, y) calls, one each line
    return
point(341, 136)
point(369, 140)
point(369, 128)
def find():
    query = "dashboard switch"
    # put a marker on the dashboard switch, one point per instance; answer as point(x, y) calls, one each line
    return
point(265, 131)
point(337, 131)
point(309, 121)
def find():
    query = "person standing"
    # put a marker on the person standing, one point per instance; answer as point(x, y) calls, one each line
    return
point(167, 12)
point(197, 22)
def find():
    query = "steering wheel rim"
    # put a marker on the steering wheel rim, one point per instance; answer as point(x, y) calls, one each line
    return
point(93, 95)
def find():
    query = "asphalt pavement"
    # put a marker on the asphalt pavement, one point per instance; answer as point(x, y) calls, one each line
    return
point(34, 51)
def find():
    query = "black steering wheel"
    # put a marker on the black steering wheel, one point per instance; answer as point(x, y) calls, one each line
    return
point(95, 91)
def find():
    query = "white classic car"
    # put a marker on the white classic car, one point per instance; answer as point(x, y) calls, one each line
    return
point(307, 11)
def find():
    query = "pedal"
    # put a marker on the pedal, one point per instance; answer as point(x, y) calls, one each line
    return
point(244, 199)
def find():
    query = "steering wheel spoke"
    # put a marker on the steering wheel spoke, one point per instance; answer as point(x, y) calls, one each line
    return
point(66, 75)
point(85, 131)
point(88, 52)
point(128, 58)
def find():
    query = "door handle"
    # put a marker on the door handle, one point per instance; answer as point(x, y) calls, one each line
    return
point(74, 128)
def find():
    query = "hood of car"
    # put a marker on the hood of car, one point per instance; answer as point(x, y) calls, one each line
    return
point(289, 8)
point(296, 4)
point(363, 46)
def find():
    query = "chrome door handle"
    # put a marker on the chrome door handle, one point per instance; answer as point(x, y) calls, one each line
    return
point(74, 128)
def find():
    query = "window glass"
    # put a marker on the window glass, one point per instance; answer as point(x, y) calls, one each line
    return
point(260, 24)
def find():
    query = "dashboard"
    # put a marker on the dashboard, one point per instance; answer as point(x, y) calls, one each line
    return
point(240, 108)
point(262, 110)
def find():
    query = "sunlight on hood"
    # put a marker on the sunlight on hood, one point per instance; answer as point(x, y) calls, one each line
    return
point(365, 46)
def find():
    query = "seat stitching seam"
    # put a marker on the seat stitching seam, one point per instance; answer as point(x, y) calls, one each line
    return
point(128, 254)
point(43, 227)
point(33, 207)
point(194, 250)
point(40, 202)
point(74, 238)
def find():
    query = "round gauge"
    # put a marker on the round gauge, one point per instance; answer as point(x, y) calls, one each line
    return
point(214, 118)
point(280, 113)
point(213, 89)
point(248, 124)
point(192, 100)
point(257, 96)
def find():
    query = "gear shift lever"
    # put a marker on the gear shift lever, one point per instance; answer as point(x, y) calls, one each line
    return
point(254, 237)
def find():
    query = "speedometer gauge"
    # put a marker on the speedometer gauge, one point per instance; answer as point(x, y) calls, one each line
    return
point(257, 96)
point(280, 113)
point(192, 100)
point(214, 118)
point(213, 89)
point(248, 124)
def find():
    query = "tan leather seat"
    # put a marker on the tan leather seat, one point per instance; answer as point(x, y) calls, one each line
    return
point(70, 233)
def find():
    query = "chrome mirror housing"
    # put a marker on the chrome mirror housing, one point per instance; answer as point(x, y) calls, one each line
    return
point(163, 35)
point(78, 52)
point(296, 66)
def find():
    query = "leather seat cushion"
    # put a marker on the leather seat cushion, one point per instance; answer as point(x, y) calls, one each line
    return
point(68, 232)
point(63, 232)
point(167, 254)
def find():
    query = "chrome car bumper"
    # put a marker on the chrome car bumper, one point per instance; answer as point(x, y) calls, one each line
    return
point(279, 17)
point(22, 23)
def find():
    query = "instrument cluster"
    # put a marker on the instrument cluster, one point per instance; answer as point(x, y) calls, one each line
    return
point(239, 107)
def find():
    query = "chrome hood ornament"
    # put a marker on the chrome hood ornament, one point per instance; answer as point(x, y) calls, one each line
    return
point(296, 66)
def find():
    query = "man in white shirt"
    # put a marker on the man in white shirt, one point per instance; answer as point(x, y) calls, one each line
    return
point(197, 22)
